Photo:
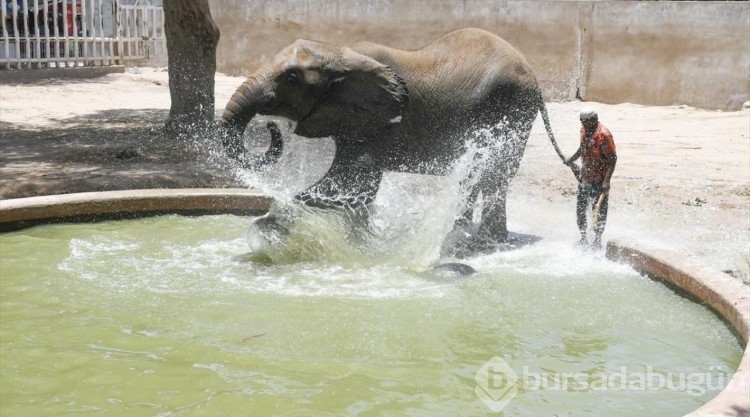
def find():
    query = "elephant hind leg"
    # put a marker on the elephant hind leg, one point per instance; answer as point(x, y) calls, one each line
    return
point(505, 155)
point(466, 218)
point(493, 227)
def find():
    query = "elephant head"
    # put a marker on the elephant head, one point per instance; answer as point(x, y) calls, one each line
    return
point(327, 90)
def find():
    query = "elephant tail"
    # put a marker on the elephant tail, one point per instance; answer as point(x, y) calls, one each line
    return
point(545, 117)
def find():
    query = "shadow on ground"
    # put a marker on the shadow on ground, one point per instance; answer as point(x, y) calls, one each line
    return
point(108, 150)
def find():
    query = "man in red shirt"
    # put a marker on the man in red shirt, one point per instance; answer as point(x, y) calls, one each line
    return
point(599, 158)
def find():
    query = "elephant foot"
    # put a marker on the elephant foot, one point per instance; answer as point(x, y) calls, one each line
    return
point(466, 240)
point(265, 233)
point(469, 241)
point(271, 230)
point(475, 245)
point(456, 268)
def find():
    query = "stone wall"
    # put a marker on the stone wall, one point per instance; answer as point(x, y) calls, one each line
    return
point(656, 53)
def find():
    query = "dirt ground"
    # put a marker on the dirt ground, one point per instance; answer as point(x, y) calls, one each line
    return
point(681, 171)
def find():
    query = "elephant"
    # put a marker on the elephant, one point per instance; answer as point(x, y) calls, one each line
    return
point(396, 110)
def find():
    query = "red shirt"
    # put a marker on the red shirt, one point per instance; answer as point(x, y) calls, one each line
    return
point(595, 154)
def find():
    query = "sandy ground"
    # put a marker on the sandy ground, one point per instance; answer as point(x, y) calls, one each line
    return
point(682, 180)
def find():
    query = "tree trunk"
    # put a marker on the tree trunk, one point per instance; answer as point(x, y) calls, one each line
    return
point(192, 37)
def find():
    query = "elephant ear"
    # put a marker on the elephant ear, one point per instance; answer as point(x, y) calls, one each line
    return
point(363, 96)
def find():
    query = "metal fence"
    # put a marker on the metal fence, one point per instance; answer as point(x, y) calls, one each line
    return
point(72, 33)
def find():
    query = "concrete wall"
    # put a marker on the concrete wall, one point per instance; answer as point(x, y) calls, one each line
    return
point(695, 53)
point(658, 53)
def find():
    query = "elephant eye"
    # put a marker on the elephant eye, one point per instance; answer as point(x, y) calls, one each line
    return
point(292, 79)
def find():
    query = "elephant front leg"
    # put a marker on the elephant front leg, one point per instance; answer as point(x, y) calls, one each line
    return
point(351, 183)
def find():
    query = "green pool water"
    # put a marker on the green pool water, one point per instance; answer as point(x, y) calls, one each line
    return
point(171, 316)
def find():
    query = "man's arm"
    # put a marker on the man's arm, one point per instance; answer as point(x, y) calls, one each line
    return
point(611, 162)
point(610, 152)
point(575, 156)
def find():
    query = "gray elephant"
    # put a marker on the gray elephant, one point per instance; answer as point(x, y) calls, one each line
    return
point(395, 110)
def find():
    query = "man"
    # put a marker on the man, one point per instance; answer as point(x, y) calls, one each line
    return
point(598, 155)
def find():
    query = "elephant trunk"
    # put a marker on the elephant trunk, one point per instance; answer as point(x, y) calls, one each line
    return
point(241, 108)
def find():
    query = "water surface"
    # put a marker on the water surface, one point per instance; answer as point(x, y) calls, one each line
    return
point(171, 316)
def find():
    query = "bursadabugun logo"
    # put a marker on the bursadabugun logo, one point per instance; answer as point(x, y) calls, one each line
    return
point(496, 384)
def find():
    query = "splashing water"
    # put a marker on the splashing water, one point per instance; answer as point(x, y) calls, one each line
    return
point(409, 220)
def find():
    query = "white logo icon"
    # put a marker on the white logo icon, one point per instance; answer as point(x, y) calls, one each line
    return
point(496, 384)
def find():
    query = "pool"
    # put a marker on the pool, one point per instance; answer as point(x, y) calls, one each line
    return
point(173, 315)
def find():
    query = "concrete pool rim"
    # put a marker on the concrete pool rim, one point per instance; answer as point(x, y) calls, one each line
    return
point(20, 213)
point(725, 295)
point(728, 297)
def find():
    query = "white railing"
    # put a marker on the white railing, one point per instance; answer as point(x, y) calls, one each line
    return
point(72, 33)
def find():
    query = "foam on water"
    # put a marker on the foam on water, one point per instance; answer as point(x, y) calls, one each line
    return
point(124, 264)
point(329, 266)
point(552, 258)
